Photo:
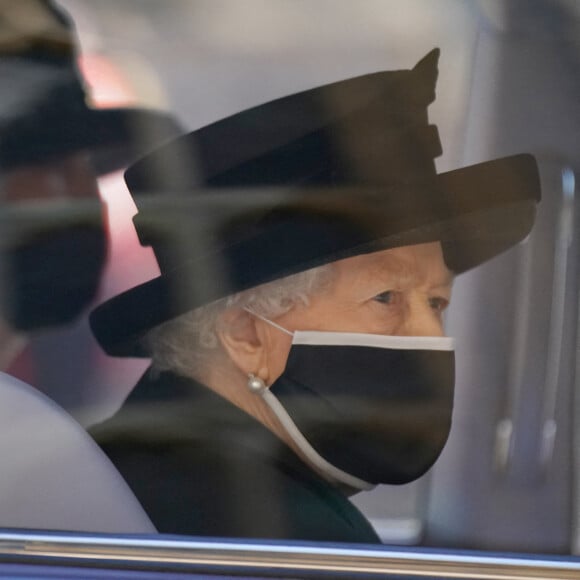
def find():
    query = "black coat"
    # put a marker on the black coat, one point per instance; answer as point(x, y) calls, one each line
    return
point(201, 466)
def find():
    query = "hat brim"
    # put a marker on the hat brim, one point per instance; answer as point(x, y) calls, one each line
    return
point(113, 137)
point(477, 213)
point(117, 137)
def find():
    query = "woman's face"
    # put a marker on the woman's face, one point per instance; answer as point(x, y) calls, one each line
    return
point(403, 292)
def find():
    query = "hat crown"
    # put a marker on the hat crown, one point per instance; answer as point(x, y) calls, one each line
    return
point(36, 29)
point(37, 57)
point(45, 112)
point(362, 132)
point(40, 79)
point(368, 129)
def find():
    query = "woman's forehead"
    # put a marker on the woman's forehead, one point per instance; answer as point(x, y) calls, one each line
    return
point(416, 263)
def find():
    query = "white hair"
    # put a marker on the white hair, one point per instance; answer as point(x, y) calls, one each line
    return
point(186, 343)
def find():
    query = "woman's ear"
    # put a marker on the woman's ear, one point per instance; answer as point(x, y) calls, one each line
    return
point(245, 340)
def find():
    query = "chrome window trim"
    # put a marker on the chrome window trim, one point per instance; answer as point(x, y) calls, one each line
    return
point(274, 559)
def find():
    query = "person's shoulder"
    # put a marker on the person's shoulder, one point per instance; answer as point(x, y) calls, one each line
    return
point(201, 466)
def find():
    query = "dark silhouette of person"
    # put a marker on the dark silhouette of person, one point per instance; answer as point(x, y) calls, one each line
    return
point(53, 147)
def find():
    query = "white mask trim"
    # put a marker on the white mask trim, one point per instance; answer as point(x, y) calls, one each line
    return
point(310, 453)
point(318, 338)
point(328, 338)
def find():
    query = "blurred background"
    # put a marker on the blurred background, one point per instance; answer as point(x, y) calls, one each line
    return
point(509, 82)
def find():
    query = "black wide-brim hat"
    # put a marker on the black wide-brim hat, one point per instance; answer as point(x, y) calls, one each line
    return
point(334, 172)
point(45, 112)
point(44, 117)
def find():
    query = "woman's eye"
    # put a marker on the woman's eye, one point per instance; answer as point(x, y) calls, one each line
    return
point(387, 297)
point(438, 304)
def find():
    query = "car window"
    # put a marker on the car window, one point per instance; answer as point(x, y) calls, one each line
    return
point(292, 272)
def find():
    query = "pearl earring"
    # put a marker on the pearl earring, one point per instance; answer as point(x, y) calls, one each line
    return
point(255, 384)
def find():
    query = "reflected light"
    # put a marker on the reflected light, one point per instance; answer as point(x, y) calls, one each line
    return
point(107, 85)
point(129, 263)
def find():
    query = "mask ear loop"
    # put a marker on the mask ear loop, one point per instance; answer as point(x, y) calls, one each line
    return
point(263, 318)
point(257, 386)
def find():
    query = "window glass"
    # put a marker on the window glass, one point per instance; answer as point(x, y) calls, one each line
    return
point(301, 271)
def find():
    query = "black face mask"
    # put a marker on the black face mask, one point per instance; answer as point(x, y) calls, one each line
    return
point(364, 408)
point(50, 279)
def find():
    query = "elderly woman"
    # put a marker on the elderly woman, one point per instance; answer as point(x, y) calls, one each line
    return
point(307, 249)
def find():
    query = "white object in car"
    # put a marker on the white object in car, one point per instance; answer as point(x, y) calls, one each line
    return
point(53, 475)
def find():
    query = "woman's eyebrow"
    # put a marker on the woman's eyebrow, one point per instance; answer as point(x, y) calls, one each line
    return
point(445, 286)
point(392, 270)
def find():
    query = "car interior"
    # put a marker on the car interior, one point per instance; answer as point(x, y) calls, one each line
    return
point(505, 490)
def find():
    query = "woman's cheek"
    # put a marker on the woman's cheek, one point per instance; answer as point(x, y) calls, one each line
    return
point(384, 319)
point(277, 358)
